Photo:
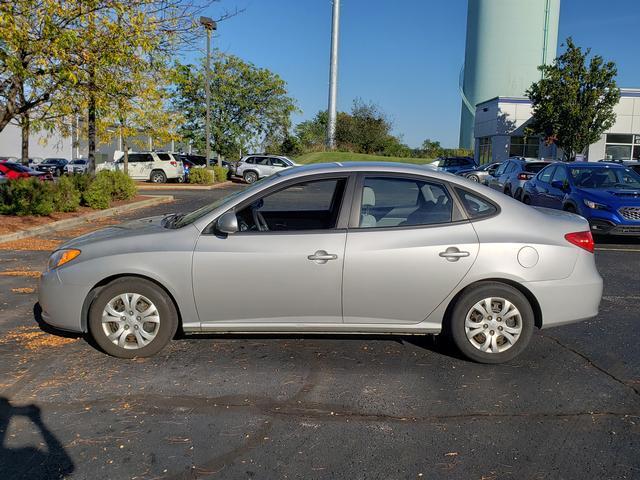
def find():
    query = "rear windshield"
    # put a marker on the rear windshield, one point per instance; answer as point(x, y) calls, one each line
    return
point(17, 168)
point(534, 167)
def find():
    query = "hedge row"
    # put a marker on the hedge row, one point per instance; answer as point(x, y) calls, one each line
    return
point(208, 175)
point(34, 197)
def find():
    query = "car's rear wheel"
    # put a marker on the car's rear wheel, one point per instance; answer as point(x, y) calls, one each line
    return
point(507, 191)
point(158, 176)
point(526, 199)
point(474, 178)
point(132, 317)
point(518, 194)
point(492, 323)
point(250, 177)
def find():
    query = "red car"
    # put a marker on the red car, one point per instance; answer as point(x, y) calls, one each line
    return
point(14, 171)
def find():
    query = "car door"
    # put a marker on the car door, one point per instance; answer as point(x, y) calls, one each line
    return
point(289, 274)
point(277, 165)
point(263, 165)
point(543, 187)
point(407, 249)
point(555, 196)
point(134, 166)
point(494, 180)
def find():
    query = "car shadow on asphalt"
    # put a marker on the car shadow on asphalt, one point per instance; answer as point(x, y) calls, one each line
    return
point(53, 462)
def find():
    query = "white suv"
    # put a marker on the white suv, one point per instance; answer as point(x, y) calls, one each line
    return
point(157, 167)
point(254, 167)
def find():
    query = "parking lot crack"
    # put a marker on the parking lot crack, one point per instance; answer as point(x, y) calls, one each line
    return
point(592, 364)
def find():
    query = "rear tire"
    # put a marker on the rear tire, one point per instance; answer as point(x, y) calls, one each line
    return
point(250, 177)
point(158, 176)
point(133, 333)
point(474, 178)
point(526, 200)
point(518, 194)
point(481, 333)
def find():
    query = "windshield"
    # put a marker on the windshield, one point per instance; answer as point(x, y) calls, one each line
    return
point(79, 162)
point(594, 177)
point(187, 219)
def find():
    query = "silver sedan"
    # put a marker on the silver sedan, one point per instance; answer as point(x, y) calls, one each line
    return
point(336, 248)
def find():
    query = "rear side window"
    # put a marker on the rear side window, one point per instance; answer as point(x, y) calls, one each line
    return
point(399, 202)
point(475, 206)
point(163, 156)
point(250, 160)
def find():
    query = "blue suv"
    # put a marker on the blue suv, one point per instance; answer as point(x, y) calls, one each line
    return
point(455, 164)
point(606, 194)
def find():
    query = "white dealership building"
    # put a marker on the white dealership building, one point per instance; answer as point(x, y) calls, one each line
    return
point(500, 123)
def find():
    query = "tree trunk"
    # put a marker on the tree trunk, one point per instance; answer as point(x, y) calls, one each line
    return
point(125, 164)
point(91, 132)
point(25, 124)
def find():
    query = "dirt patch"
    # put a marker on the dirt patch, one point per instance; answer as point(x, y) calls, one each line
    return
point(14, 223)
point(34, 339)
point(31, 243)
point(21, 273)
point(23, 290)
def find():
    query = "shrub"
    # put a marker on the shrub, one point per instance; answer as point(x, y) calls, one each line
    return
point(122, 185)
point(203, 176)
point(66, 197)
point(220, 173)
point(98, 195)
point(81, 181)
point(27, 197)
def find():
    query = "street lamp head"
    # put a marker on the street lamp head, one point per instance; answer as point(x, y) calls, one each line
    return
point(208, 23)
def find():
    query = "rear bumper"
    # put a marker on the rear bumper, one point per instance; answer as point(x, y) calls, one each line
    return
point(571, 299)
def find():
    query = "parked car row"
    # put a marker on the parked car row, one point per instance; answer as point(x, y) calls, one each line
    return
point(14, 171)
point(607, 194)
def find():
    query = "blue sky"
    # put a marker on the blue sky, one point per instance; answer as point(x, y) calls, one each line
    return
point(404, 55)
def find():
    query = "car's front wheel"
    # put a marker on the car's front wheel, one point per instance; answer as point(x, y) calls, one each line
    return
point(132, 317)
point(492, 323)
point(474, 178)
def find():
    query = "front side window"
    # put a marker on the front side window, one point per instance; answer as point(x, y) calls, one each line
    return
point(398, 202)
point(501, 169)
point(560, 175)
point(312, 205)
point(277, 162)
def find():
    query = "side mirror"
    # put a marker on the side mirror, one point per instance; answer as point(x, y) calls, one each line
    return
point(491, 171)
point(228, 223)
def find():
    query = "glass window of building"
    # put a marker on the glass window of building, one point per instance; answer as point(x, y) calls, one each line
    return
point(622, 146)
point(484, 154)
point(525, 147)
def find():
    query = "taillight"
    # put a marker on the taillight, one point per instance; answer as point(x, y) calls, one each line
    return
point(524, 176)
point(581, 239)
point(173, 163)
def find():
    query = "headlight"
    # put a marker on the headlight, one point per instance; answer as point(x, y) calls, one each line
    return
point(60, 257)
point(594, 205)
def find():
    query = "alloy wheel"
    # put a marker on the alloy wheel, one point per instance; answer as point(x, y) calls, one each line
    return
point(493, 325)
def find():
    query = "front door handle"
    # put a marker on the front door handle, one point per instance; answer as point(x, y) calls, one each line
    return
point(321, 256)
point(453, 254)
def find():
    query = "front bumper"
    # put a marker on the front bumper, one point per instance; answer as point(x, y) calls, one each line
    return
point(62, 304)
point(607, 227)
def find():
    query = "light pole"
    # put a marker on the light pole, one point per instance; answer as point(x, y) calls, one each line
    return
point(209, 26)
point(333, 76)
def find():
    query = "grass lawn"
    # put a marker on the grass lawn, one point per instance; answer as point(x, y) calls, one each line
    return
point(321, 157)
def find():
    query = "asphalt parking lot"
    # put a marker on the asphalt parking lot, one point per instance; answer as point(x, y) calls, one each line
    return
point(326, 407)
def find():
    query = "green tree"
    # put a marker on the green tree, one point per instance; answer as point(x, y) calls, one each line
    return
point(248, 105)
point(573, 102)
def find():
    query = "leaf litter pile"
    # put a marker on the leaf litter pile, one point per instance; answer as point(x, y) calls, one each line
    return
point(32, 338)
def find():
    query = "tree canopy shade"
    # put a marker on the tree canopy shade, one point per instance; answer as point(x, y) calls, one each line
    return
point(248, 104)
point(573, 102)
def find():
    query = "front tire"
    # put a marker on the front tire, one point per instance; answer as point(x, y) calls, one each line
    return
point(492, 323)
point(132, 317)
point(474, 178)
point(250, 177)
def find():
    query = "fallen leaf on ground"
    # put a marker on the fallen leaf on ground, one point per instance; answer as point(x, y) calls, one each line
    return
point(34, 338)
point(21, 273)
point(23, 290)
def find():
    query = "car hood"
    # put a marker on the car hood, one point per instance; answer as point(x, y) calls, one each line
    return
point(132, 228)
point(612, 196)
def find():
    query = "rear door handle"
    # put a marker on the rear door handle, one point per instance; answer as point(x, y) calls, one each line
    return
point(453, 254)
point(321, 256)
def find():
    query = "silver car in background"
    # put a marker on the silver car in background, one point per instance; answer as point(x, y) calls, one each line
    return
point(370, 248)
point(254, 167)
point(480, 174)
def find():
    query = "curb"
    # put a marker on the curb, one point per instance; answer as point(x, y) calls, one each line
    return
point(185, 187)
point(72, 222)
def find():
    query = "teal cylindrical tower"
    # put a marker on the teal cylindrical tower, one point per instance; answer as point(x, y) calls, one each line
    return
point(506, 42)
